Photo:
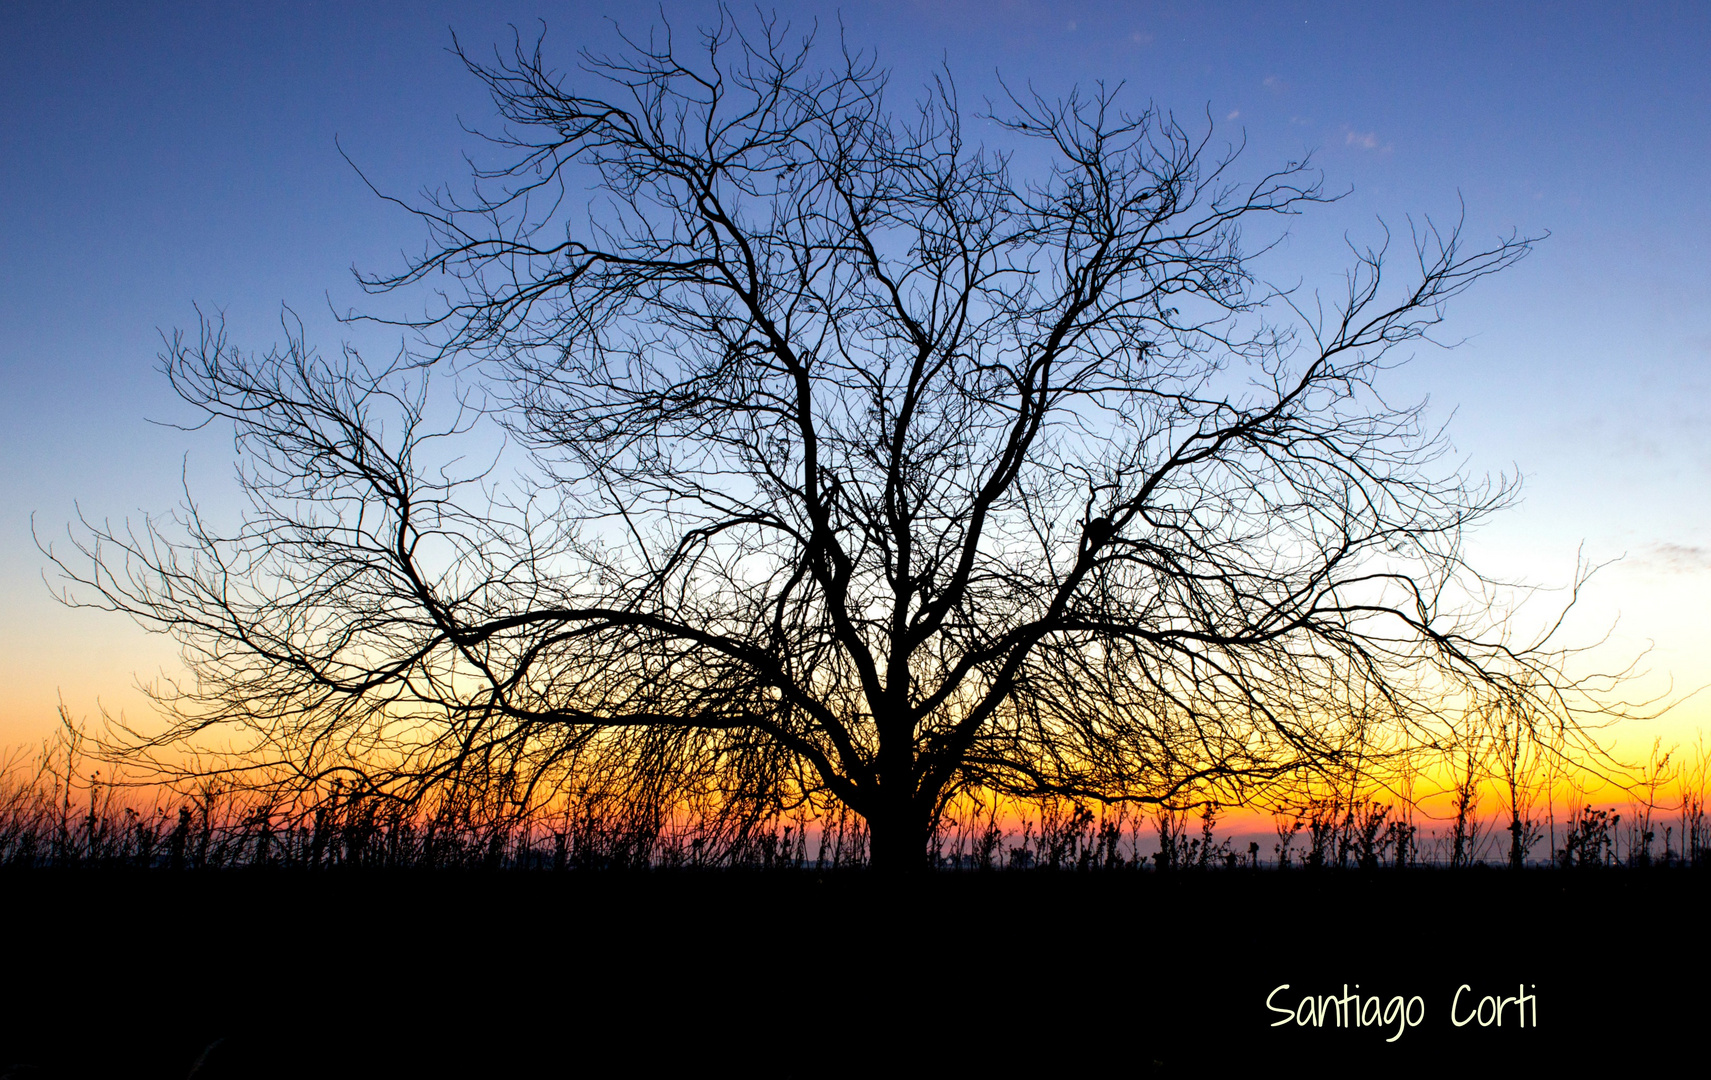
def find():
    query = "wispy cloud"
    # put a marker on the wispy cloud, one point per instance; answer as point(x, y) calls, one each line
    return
point(1141, 37)
point(1365, 140)
point(1676, 558)
point(1233, 114)
point(1275, 84)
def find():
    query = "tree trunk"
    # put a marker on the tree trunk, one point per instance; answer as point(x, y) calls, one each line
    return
point(897, 840)
point(897, 827)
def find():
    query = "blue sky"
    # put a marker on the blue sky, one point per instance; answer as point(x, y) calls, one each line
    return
point(157, 157)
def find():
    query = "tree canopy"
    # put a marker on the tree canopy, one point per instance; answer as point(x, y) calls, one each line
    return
point(873, 455)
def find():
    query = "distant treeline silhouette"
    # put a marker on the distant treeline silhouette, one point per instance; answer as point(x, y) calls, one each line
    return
point(54, 815)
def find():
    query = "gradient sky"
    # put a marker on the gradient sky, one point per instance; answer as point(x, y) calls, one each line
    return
point(157, 157)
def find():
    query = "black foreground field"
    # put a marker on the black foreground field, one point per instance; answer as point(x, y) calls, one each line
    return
point(804, 974)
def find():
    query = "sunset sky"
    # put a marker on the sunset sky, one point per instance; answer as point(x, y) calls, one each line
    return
point(159, 157)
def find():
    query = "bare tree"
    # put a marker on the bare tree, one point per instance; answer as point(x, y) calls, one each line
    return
point(862, 466)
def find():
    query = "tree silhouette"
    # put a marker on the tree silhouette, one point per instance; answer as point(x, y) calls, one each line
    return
point(864, 461)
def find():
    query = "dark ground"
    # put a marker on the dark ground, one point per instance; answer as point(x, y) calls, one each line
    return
point(798, 974)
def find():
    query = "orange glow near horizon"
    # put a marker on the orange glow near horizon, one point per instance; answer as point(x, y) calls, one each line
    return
point(1430, 801)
